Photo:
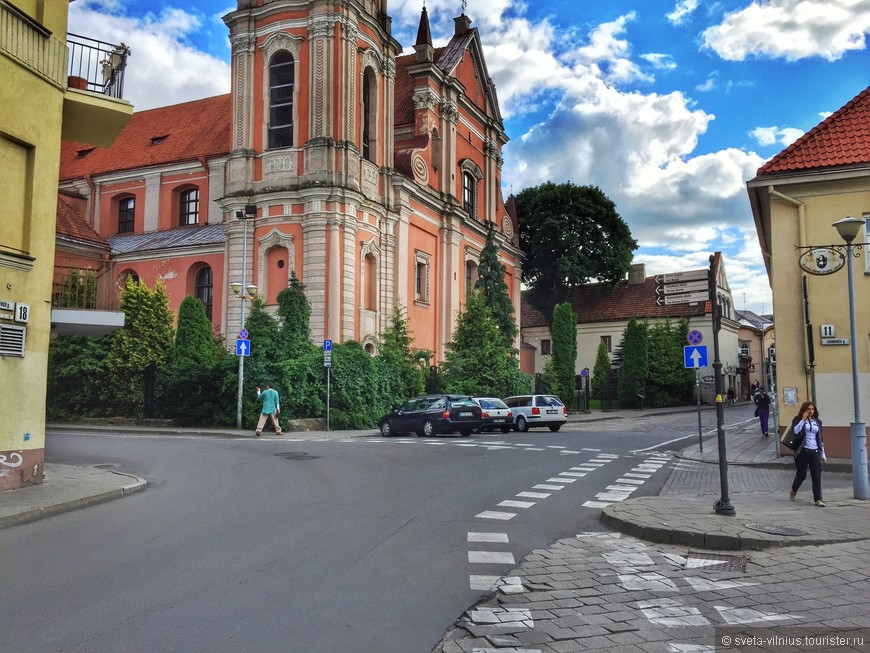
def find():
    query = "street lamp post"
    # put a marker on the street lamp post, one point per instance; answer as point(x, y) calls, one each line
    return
point(250, 212)
point(848, 229)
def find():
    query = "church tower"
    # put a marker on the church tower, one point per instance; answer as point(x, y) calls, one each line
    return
point(311, 148)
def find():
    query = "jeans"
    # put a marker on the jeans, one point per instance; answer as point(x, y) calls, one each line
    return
point(762, 419)
point(813, 460)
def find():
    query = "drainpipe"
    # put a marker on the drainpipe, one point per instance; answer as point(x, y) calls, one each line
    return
point(92, 200)
point(205, 200)
point(802, 239)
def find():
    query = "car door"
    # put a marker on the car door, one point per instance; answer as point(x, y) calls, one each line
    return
point(403, 417)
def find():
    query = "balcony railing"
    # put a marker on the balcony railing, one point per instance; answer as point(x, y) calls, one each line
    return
point(97, 66)
point(78, 286)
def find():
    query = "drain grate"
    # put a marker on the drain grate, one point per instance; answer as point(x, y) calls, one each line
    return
point(296, 455)
point(776, 529)
point(696, 559)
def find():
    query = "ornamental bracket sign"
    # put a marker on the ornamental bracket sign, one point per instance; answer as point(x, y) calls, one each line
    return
point(822, 260)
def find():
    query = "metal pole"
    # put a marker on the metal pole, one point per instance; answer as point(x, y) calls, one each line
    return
point(723, 505)
point(858, 431)
point(327, 397)
point(242, 321)
point(698, 394)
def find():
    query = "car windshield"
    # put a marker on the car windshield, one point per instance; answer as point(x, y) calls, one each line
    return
point(462, 402)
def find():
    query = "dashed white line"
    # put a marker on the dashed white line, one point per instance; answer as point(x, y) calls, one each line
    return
point(493, 514)
point(516, 504)
point(487, 537)
point(491, 557)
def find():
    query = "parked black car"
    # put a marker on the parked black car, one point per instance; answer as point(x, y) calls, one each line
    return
point(432, 414)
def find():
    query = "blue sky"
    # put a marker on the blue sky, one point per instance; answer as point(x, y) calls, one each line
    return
point(668, 106)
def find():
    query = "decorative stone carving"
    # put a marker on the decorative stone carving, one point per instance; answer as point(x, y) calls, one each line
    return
point(274, 164)
point(450, 111)
point(420, 169)
point(425, 98)
point(371, 59)
point(281, 41)
point(272, 239)
point(322, 25)
point(507, 227)
point(243, 42)
point(390, 69)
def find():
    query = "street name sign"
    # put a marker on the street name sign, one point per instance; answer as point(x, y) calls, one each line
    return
point(677, 277)
point(243, 347)
point(684, 286)
point(682, 298)
point(695, 357)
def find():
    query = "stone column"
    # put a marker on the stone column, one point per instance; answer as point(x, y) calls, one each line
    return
point(314, 271)
point(334, 281)
point(349, 303)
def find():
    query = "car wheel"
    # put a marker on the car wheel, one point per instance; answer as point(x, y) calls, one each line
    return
point(522, 424)
point(505, 429)
point(428, 428)
point(555, 428)
point(465, 432)
point(387, 429)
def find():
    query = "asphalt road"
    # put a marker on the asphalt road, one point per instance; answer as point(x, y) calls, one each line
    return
point(333, 546)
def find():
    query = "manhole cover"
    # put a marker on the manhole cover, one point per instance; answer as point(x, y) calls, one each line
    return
point(775, 529)
point(696, 559)
point(296, 455)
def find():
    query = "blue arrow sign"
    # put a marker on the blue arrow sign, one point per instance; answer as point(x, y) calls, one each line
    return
point(327, 345)
point(695, 357)
point(243, 347)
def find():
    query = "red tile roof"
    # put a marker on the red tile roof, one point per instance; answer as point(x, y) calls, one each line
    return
point(71, 226)
point(599, 303)
point(195, 129)
point(843, 138)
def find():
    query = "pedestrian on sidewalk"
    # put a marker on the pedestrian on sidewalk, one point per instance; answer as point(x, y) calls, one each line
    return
point(730, 395)
point(271, 408)
point(810, 451)
point(762, 409)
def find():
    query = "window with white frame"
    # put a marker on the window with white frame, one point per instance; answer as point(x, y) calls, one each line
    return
point(188, 207)
point(281, 81)
point(421, 278)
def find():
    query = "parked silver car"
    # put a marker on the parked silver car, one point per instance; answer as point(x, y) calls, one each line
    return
point(495, 414)
point(537, 410)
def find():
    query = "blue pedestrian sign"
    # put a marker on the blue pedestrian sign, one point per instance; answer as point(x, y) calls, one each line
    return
point(243, 347)
point(327, 345)
point(695, 357)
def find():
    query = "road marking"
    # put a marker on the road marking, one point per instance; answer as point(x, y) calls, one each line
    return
point(544, 486)
point(585, 468)
point(533, 495)
point(484, 583)
point(707, 585)
point(627, 558)
point(596, 504)
point(493, 514)
point(599, 461)
point(575, 474)
point(491, 557)
point(736, 616)
point(633, 475)
point(633, 481)
point(647, 582)
point(516, 504)
point(487, 537)
point(667, 612)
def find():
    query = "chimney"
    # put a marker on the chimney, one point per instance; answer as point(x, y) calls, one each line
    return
point(636, 274)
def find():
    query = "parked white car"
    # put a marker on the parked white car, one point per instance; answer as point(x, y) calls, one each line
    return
point(537, 410)
point(495, 414)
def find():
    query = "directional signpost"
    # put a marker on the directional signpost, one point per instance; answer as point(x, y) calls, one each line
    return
point(243, 347)
point(695, 357)
point(695, 337)
point(682, 288)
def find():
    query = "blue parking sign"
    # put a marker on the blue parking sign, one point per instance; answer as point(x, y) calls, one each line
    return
point(327, 345)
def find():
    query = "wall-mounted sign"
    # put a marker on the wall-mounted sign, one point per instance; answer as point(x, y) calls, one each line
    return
point(822, 260)
point(6, 305)
point(828, 330)
point(835, 341)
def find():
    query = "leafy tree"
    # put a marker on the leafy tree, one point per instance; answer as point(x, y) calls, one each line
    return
point(491, 284)
point(571, 235)
point(264, 363)
point(194, 338)
point(476, 359)
point(563, 333)
point(397, 353)
point(671, 384)
point(78, 375)
point(635, 364)
point(143, 344)
point(601, 374)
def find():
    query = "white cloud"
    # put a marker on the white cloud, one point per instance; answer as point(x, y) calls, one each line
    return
point(791, 29)
point(164, 69)
point(660, 61)
point(682, 10)
point(785, 136)
point(708, 85)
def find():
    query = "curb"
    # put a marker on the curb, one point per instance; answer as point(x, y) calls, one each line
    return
point(74, 504)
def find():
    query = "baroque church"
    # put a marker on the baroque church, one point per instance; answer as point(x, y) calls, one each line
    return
point(372, 175)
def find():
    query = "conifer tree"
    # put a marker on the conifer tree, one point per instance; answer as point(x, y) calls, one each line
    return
point(601, 374)
point(294, 312)
point(194, 338)
point(635, 364)
point(397, 353)
point(563, 333)
point(491, 284)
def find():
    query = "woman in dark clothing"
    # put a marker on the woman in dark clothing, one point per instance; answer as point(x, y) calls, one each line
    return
point(762, 409)
point(810, 451)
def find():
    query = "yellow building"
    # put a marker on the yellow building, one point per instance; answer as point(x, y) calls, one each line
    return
point(796, 197)
point(37, 109)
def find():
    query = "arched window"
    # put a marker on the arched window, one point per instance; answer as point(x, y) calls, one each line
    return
point(470, 276)
point(469, 193)
point(370, 297)
point(188, 207)
point(125, 276)
point(126, 215)
point(369, 115)
point(203, 289)
point(281, 80)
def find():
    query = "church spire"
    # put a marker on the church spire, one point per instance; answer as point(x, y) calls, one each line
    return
point(425, 51)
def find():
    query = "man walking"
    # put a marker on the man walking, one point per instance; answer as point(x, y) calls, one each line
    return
point(271, 408)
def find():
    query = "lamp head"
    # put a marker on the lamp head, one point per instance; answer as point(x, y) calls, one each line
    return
point(251, 290)
point(848, 228)
point(250, 210)
point(240, 215)
point(236, 287)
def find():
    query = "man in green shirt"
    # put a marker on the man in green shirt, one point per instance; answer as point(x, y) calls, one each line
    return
point(271, 408)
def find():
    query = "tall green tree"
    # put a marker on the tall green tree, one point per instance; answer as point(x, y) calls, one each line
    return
point(601, 374)
point(476, 360)
point(563, 333)
point(294, 314)
point(491, 284)
point(635, 364)
point(194, 339)
point(670, 383)
point(397, 353)
point(142, 346)
point(571, 235)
